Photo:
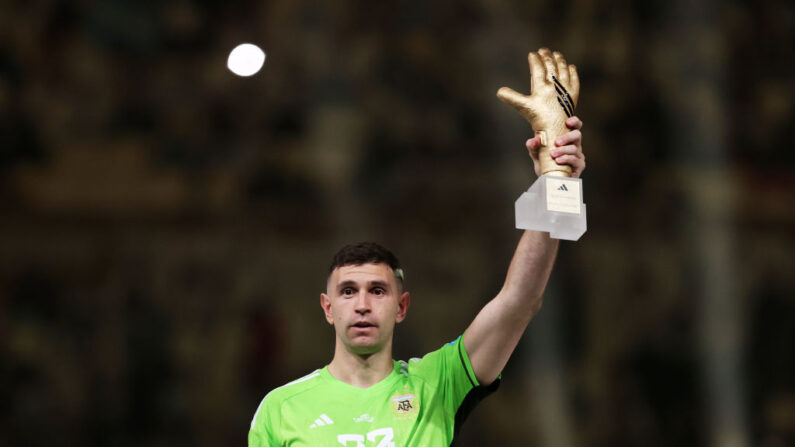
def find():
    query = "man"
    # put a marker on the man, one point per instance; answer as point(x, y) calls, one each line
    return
point(363, 397)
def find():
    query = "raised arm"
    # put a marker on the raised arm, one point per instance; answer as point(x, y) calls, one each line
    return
point(554, 91)
point(495, 332)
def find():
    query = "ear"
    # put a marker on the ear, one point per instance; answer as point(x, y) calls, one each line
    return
point(325, 303)
point(403, 307)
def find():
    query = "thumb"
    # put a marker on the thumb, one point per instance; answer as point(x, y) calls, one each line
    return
point(510, 96)
point(533, 145)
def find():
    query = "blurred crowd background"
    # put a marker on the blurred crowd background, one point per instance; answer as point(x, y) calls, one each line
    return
point(166, 226)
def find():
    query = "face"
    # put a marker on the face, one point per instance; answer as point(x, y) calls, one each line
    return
point(364, 302)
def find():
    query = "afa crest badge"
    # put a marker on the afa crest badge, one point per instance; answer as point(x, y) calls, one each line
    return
point(405, 404)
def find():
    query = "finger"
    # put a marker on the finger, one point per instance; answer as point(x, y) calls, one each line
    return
point(567, 159)
point(563, 69)
point(512, 97)
point(533, 145)
point(574, 123)
point(577, 164)
point(569, 149)
point(576, 172)
point(549, 63)
point(537, 74)
point(574, 82)
point(574, 137)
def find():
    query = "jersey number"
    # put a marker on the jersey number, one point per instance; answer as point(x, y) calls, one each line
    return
point(386, 435)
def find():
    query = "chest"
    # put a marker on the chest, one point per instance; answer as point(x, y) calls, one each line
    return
point(400, 416)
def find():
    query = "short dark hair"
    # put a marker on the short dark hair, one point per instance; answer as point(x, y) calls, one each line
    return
point(366, 253)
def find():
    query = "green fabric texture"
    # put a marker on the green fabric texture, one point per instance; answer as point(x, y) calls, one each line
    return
point(415, 405)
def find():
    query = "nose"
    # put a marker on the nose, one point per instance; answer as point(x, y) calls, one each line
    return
point(362, 305)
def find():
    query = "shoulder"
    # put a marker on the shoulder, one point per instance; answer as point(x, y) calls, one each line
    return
point(279, 395)
point(297, 386)
point(435, 362)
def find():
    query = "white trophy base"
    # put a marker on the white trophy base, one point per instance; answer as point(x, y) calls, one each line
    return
point(553, 204)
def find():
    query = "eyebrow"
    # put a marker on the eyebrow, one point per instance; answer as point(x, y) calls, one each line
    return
point(350, 283)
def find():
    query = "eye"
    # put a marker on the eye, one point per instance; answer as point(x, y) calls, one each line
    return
point(348, 291)
point(379, 291)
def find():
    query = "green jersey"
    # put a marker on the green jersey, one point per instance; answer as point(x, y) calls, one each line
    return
point(423, 402)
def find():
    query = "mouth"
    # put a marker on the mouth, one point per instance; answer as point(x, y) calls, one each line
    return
point(362, 325)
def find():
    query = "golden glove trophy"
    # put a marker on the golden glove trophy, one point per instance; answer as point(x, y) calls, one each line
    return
point(554, 201)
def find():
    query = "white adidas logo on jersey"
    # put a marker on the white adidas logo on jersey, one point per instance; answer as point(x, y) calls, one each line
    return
point(321, 421)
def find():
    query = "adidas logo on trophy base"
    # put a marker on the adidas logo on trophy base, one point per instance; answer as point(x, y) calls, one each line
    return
point(553, 204)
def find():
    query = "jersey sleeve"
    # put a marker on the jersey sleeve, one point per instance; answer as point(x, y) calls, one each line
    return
point(451, 369)
point(263, 425)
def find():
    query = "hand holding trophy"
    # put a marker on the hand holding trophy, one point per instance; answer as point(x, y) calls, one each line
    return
point(554, 202)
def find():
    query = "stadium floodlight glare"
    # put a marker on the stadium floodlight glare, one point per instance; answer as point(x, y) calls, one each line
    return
point(245, 59)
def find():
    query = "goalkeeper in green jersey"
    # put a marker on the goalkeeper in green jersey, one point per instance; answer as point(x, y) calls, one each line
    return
point(364, 398)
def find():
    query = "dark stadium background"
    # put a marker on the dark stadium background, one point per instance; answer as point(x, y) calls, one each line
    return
point(165, 226)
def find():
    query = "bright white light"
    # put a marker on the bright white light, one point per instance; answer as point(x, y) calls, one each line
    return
point(245, 60)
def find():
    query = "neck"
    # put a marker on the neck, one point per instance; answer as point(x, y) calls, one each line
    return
point(361, 370)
